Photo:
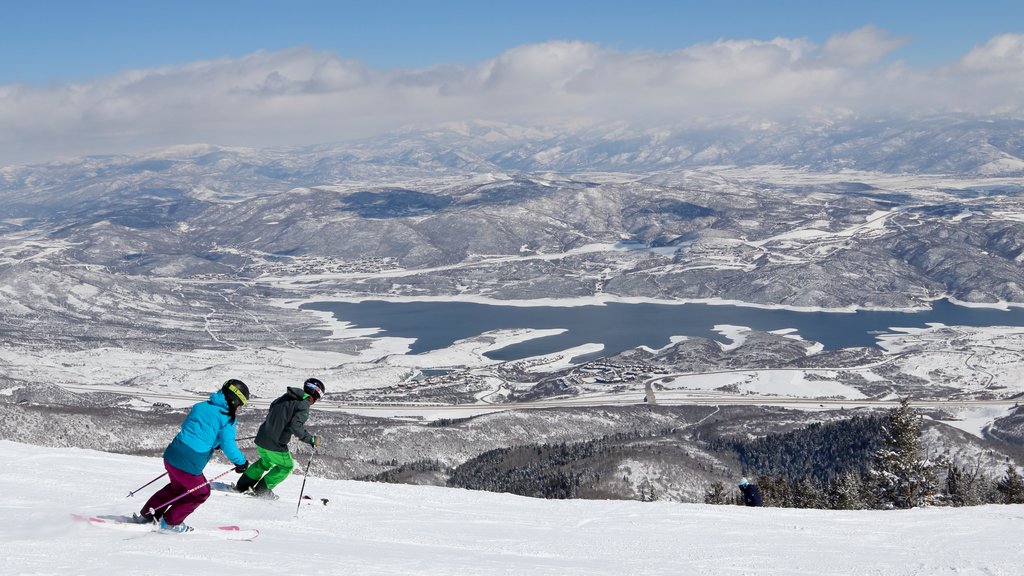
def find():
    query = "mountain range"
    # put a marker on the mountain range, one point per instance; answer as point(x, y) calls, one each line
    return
point(170, 255)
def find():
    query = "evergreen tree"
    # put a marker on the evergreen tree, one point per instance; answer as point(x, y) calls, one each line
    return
point(901, 477)
point(956, 486)
point(1011, 486)
point(716, 494)
point(775, 491)
point(988, 491)
point(846, 492)
point(967, 487)
point(807, 495)
point(820, 451)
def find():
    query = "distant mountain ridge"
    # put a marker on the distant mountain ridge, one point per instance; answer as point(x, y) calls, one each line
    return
point(947, 144)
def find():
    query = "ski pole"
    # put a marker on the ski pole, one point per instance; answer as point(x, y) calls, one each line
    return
point(153, 509)
point(132, 493)
point(304, 476)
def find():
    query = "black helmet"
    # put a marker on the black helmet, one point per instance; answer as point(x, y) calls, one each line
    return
point(314, 388)
point(236, 392)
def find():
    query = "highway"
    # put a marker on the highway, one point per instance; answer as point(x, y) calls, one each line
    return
point(664, 398)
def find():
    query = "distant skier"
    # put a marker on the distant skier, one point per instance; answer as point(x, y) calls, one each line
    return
point(751, 493)
point(208, 426)
point(286, 417)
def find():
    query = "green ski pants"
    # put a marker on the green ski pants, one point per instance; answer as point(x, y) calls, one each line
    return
point(273, 467)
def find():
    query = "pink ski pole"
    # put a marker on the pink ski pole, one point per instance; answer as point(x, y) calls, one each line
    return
point(153, 509)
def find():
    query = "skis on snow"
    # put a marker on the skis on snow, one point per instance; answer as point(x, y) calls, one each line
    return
point(127, 524)
point(229, 488)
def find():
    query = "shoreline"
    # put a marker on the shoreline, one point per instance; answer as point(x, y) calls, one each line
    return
point(604, 300)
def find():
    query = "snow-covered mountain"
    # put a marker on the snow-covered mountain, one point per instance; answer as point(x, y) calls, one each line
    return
point(795, 237)
point(370, 529)
point(950, 145)
point(151, 276)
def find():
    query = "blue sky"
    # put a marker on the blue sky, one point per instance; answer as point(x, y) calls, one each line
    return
point(98, 77)
point(52, 41)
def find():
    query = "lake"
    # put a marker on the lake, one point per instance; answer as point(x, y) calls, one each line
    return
point(620, 327)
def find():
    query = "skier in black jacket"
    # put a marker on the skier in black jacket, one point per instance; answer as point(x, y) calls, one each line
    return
point(286, 417)
point(751, 493)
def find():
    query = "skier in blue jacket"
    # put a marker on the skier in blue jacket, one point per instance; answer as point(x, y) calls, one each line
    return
point(208, 426)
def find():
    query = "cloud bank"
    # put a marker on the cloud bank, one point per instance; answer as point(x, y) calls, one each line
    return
point(302, 96)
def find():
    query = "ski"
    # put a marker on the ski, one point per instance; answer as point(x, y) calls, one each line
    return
point(125, 523)
point(229, 489)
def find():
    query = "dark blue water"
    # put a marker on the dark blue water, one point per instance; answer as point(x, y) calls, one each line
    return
point(620, 327)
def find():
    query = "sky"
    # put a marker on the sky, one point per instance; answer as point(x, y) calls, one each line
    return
point(370, 529)
point(99, 77)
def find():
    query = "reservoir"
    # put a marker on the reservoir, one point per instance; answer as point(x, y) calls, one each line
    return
point(435, 325)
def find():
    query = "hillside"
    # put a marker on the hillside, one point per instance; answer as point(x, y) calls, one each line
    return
point(374, 529)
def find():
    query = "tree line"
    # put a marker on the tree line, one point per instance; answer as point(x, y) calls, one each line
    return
point(562, 470)
point(863, 462)
point(897, 474)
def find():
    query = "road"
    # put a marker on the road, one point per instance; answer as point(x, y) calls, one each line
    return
point(665, 398)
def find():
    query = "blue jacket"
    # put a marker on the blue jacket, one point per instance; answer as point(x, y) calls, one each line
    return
point(206, 428)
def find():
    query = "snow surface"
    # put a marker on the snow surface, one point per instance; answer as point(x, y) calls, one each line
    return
point(381, 529)
point(791, 383)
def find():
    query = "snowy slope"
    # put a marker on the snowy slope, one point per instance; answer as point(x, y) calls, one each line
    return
point(370, 529)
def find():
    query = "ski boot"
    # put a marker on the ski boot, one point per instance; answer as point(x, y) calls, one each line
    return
point(261, 491)
point(244, 484)
point(175, 528)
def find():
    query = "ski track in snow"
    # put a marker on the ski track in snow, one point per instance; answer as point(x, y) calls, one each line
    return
point(379, 529)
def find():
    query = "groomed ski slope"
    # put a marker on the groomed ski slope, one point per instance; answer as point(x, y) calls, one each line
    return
point(377, 529)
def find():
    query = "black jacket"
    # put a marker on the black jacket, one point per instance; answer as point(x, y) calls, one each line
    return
point(751, 495)
point(287, 416)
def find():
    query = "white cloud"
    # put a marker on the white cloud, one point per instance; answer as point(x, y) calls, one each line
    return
point(861, 47)
point(302, 96)
point(1002, 53)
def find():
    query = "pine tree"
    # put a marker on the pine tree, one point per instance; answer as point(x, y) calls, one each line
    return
point(846, 492)
point(1011, 486)
point(956, 486)
point(716, 494)
point(965, 486)
point(775, 491)
point(901, 477)
point(807, 495)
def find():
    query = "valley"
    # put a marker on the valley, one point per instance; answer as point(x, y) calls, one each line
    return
point(130, 292)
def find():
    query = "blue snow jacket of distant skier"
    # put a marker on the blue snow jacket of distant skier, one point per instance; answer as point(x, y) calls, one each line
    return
point(206, 428)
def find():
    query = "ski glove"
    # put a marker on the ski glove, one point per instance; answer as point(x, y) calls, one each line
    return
point(241, 467)
point(315, 440)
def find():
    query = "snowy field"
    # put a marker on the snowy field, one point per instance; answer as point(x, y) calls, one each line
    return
point(380, 529)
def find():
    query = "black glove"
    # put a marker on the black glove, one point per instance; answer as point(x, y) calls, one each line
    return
point(241, 467)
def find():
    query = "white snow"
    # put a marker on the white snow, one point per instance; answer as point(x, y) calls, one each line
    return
point(780, 382)
point(974, 419)
point(394, 530)
point(737, 335)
